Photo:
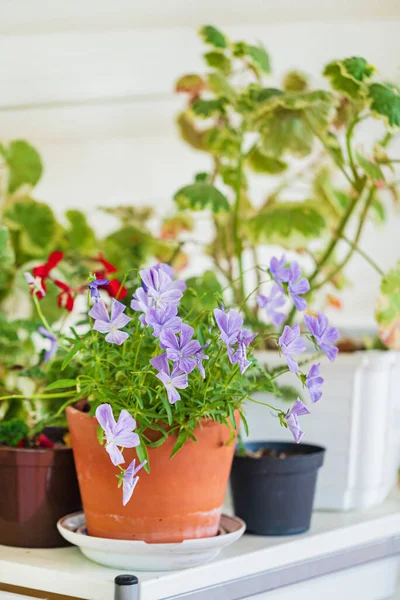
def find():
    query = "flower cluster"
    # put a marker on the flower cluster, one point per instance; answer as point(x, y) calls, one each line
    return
point(287, 280)
point(234, 337)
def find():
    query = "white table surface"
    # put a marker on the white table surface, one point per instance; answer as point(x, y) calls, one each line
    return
point(67, 571)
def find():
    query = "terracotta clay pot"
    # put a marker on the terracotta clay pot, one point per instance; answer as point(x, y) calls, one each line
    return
point(180, 499)
point(38, 487)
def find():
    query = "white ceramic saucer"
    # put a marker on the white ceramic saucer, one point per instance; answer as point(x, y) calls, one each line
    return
point(134, 555)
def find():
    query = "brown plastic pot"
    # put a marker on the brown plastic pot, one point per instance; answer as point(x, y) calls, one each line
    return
point(180, 499)
point(38, 487)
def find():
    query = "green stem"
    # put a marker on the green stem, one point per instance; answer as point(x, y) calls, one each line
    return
point(236, 224)
point(365, 256)
point(34, 396)
point(360, 227)
point(349, 135)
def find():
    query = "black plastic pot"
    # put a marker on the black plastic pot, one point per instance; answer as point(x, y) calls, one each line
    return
point(275, 496)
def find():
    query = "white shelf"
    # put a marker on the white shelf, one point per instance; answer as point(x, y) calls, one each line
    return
point(362, 537)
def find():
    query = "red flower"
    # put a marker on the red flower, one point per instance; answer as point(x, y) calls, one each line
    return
point(109, 267)
point(43, 271)
point(65, 299)
point(113, 287)
point(44, 442)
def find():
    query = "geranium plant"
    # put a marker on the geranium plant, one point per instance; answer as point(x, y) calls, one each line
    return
point(301, 146)
point(156, 368)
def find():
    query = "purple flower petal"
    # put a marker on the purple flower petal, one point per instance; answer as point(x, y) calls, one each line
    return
point(101, 326)
point(115, 454)
point(291, 344)
point(278, 270)
point(160, 363)
point(292, 420)
point(324, 335)
point(105, 417)
point(130, 480)
point(99, 311)
point(314, 382)
point(117, 308)
point(116, 337)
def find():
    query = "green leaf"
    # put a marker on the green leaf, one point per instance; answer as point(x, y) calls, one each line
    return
point(379, 210)
point(204, 288)
point(371, 169)
point(388, 310)
point(200, 196)
point(213, 36)
point(208, 108)
point(190, 84)
point(290, 224)
point(61, 383)
point(181, 439)
point(260, 58)
point(295, 81)
point(188, 131)
point(36, 223)
point(385, 103)
point(142, 455)
point(289, 122)
point(223, 141)
point(24, 163)
point(13, 431)
point(71, 355)
point(348, 76)
point(218, 60)
point(80, 235)
point(262, 163)
point(218, 83)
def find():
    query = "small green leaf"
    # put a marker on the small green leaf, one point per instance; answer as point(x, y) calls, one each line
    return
point(348, 76)
point(218, 83)
point(61, 383)
point(208, 108)
point(71, 355)
point(388, 310)
point(262, 163)
point(260, 58)
point(167, 407)
point(223, 141)
point(385, 103)
point(188, 131)
point(142, 455)
point(290, 224)
point(190, 84)
point(213, 36)
point(218, 60)
point(294, 81)
point(200, 196)
point(24, 163)
point(373, 170)
point(181, 439)
point(100, 434)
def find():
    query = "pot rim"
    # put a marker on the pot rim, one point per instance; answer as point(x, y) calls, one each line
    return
point(312, 450)
point(34, 450)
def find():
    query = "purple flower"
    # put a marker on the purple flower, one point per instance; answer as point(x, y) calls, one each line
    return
point(298, 286)
point(199, 357)
point(229, 325)
point(118, 433)
point(129, 480)
point(291, 343)
point(142, 303)
point(314, 382)
point(275, 300)
point(243, 340)
point(292, 420)
point(53, 344)
point(160, 288)
point(94, 285)
point(181, 349)
point(171, 381)
point(278, 269)
point(166, 268)
point(323, 334)
point(163, 319)
point(104, 324)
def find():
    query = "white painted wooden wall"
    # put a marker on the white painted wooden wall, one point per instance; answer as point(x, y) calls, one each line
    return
point(90, 83)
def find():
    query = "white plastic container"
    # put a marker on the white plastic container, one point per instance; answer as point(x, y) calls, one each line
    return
point(357, 420)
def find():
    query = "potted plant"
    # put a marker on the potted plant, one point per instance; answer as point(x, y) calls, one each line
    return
point(164, 387)
point(39, 483)
point(287, 169)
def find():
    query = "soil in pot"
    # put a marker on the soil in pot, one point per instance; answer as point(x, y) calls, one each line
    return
point(38, 487)
point(180, 499)
point(273, 486)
